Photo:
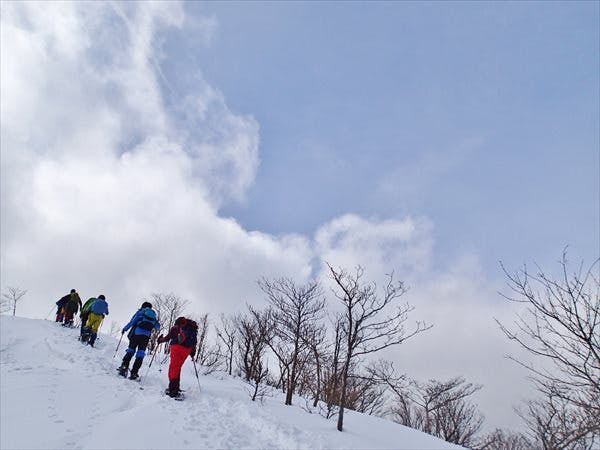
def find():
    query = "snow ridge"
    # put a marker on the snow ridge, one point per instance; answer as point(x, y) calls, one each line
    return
point(57, 393)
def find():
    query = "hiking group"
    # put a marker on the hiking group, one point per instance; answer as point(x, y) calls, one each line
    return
point(182, 336)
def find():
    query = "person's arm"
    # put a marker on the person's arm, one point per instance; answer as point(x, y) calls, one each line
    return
point(169, 335)
point(133, 320)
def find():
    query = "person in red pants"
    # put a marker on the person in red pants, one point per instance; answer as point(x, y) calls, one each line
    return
point(182, 338)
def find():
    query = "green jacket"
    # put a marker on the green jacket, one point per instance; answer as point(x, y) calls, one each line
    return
point(86, 306)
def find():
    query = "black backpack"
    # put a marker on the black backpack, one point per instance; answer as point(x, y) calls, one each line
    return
point(188, 334)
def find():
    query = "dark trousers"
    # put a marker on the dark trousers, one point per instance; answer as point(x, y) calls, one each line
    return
point(83, 321)
point(137, 346)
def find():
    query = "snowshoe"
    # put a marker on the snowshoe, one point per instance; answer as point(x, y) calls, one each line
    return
point(134, 376)
point(178, 395)
point(122, 371)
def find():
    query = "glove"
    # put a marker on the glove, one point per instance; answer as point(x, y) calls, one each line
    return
point(123, 331)
point(161, 339)
point(193, 353)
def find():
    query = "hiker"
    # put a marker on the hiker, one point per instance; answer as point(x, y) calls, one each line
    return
point(98, 310)
point(183, 336)
point(84, 334)
point(71, 307)
point(141, 324)
point(60, 307)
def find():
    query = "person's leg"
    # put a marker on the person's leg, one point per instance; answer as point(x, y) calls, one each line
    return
point(93, 323)
point(129, 352)
point(141, 342)
point(178, 355)
point(68, 319)
point(83, 330)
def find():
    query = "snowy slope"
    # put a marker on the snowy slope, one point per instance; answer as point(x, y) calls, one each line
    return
point(56, 393)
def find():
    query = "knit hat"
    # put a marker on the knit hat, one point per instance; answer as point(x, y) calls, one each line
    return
point(146, 305)
point(102, 296)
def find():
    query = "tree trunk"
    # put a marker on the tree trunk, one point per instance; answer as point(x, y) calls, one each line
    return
point(340, 422)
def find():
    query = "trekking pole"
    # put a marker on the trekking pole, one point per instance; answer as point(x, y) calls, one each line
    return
point(153, 355)
point(149, 365)
point(197, 377)
point(49, 312)
point(117, 349)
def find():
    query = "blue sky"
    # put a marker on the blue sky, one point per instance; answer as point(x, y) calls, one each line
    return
point(193, 148)
point(480, 116)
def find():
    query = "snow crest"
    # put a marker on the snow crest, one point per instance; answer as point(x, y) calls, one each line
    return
point(57, 393)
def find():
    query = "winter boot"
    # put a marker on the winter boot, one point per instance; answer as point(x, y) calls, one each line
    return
point(134, 370)
point(85, 335)
point(92, 339)
point(174, 388)
point(125, 364)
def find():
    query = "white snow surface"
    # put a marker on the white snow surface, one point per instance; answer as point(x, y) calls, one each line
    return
point(59, 394)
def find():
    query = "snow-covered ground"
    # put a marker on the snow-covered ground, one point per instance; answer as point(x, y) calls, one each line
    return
point(58, 394)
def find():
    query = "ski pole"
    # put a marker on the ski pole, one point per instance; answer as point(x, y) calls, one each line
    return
point(153, 355)
point(117, 349)
point(197, 377)
point(148, 368)
point(49, 312)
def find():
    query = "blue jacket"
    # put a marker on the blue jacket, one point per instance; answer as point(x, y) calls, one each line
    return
point(100, 307)
point(134, 321)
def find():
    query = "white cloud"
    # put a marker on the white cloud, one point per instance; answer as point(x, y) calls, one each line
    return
point(108, 190)
point(103, 189)
point(380, 245)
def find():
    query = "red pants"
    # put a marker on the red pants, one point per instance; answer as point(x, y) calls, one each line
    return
point(178, 355)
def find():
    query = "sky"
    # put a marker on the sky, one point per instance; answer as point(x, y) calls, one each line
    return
point(194, 148)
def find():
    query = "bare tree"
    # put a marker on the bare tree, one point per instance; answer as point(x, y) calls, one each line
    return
point(4, 305)
point(11, 298)
point(555, 423)
point(227, 334)
point(364, 329)
point(168, 307)
point(366, 395)
point(503, 440)
point(295, 309)
point(206, 355)
point(254, 329)
point(115, 329)
point(333, 369)
point(202, 350)
point(440, 408)
point(258, 381)
point(315, 341)
point(560, 327)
